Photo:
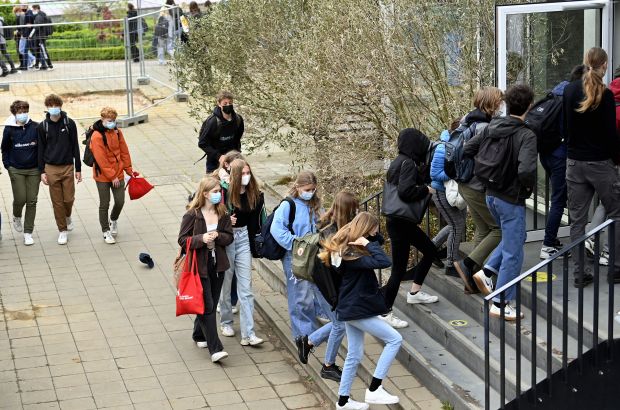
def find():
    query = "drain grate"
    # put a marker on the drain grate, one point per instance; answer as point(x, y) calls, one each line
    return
point(169, 179)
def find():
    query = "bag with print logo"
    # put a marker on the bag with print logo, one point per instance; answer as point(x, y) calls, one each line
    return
point(189, 296)
point(304, 251)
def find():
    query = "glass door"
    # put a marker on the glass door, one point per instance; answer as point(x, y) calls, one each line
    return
point(539, 45)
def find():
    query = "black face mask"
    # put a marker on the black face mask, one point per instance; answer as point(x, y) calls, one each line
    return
point(24, 10)
point(373, 238)
point(227, 109)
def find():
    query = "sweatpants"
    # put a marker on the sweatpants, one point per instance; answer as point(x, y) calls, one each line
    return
point(453, 232)
point(205, 325)
point(104, 189)
point(41, 52)
point(25, 184)
point(62, 192)
point(404, 234)
point(488, 233)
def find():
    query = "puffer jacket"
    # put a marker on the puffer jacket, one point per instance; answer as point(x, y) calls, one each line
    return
point(113, 159)
point(438, 174)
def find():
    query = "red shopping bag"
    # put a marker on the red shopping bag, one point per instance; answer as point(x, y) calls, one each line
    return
point(138, 187)
point(189, 294)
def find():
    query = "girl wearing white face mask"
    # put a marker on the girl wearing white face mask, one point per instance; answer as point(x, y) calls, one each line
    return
point(245, 204)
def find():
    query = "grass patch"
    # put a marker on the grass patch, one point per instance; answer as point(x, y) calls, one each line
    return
point(284, 181)
point(445, 405)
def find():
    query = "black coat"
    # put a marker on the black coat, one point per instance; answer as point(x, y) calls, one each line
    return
point(410, 170)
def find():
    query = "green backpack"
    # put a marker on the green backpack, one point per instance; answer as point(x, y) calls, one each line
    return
point(304, 252)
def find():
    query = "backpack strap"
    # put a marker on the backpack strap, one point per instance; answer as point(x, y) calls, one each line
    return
point(291, 214)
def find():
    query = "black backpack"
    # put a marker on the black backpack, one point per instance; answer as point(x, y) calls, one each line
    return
point(161, 29)
point(327, 280)
point(47, 30)
point(218, 128)
point(494, 165)
point(144, 26)
point(89, 157)
point(266, 245)
point(543, 120)
point(7, 33)
point(455, 164)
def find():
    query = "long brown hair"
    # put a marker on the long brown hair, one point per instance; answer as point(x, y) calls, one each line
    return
point(593, 85)
point(234, 190)
point(308, 178)
point(207, 184)
point(361, 225)
point(341, 212)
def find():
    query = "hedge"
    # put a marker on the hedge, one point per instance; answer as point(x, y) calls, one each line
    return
point(98, 53)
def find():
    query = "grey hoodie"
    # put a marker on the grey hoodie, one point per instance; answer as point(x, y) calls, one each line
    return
point(2, 39)
point(525, 160)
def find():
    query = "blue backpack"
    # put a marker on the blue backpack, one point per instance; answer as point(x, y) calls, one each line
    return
point(266, 246)
point(456, 165)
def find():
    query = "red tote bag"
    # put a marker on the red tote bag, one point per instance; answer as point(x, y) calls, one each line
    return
point(189, 294)
point(137, 187)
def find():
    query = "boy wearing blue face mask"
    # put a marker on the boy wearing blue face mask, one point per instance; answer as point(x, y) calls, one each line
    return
point(111, 159)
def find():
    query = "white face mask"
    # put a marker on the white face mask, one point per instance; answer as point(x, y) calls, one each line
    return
point(245, 179)
point(502, 110)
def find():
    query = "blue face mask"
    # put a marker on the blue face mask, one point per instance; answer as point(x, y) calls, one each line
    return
point(23, 118)
point(306, 196)
point(215, 198)
point(54, 111)
point(17, 14)
point(34, 13)
point(110, 125)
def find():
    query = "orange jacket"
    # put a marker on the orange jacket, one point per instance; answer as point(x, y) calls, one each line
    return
point(113, 159)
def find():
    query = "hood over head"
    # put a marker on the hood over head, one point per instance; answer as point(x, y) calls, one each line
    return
point(615, 88)
point(132, 13)
point(413, 143)
point(503, 127)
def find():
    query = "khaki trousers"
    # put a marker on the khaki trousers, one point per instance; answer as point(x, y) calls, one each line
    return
point(62, 192)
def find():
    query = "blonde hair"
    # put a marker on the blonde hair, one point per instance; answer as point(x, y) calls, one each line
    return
point(164, 11)
point(308, 178)
point(362, 225)
point(207, 184)
point(486, 99)
point(109, 112)
point(228, 159)
point(234, 189)
point(341, 211)
point(593, 85)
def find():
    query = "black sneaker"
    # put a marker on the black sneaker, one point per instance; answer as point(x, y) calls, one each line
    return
point(303, 348)
point(332, 372)
point(587, 279)
point(467, 276)
point(43, 68)
point(437, 262)
point(451, 271)
point(13, 71)
point(4, 74)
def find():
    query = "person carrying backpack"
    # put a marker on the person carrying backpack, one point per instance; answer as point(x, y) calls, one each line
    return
point(221, 132)
point(38, 36)
point(20, 157)
point(112, 157)
point(246, 206)
point(132, 13)
point(165, 35)
point(355, 252)
point(506, 161)
point(487, 103)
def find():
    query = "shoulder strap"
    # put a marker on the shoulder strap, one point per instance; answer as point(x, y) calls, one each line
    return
point(291, 214)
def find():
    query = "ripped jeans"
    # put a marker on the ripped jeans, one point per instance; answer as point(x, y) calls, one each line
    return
point(300, 300)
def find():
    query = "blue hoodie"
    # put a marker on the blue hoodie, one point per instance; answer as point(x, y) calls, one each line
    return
point(438, 174)
point(301, 225)
point(561, 151)
point(21, 149)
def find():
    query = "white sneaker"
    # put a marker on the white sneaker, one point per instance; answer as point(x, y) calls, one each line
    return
point(255, 340)
point(28, 239)
point(510, 312)
point(617, 314)
point(421, 297)
point(380, 396)
point(216, 357)
point(69, 224)
point(589, 244)
point(485, 285)
point(235, 310)
point(17, 224)
point(393, 321)
point(218, 308)
point(108, 238)
point(202, 345)
point(547, 251)
point(114, 227)
point(322, 319)
point(227, 331)
point(604, 259)
point(353, 405)
point(62, 238)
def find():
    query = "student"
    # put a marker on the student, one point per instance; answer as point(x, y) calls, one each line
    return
point(487, 103)
point(164, 33)
point(134, 25)
point(209, 226)
point(222, 133)
point(246, 205)
point(223, 171)
point(111, 159)
point(20, 158)
point(406, 171)
point(194, 10)
point(58, 152)
point(555, 167)
point(508, 205)
point(26, 59)
point(589, 111)
point(39, 38)
point(308, 209)
point(343, 210)
point(355, 252)
point(5, 54)
point(455, 229)
point(28, 44)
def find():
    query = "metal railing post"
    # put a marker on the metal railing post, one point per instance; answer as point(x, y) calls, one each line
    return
point(597, 252)
point(176, 65)
point(141, 46)
point(487, 354)
point(127, 84)
point(128, 60)
point(610, 280)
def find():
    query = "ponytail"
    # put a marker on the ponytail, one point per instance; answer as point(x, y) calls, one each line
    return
point(593, 86)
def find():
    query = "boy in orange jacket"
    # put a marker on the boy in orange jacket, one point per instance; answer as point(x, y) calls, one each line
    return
point(111, 159)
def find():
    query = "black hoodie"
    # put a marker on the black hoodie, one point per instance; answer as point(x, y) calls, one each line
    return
point(525, 158)
point(221, 136)
point(37, 33)
point(60, 145)
point(410, 170)
point(133, 24)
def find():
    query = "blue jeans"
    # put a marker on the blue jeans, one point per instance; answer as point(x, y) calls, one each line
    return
point(240, 259)
point(355, 333)
point(556, 169)
point(507, 259)
point(23, 44)
point(333, 332)
point(300, 301)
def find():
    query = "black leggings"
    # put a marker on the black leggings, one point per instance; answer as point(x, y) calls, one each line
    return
point(7, 57)
point(205, 325)
point(403, 235)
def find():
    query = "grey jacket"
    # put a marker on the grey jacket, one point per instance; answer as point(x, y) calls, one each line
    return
point(525, 157)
